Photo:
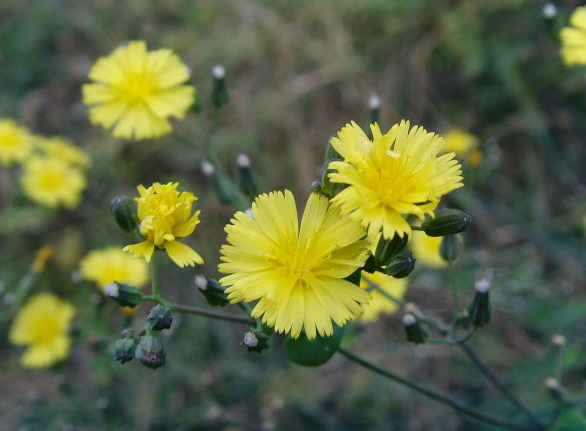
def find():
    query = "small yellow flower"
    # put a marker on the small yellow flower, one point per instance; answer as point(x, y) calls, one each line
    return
point(42, 325)
point(136, 91)
point(426, 249)
point(460, 142)
point(165, 215)
point(380, 304)
point(297, 272)
point(52, 182)
point(15, 142)
point(573, 39)
point(112, 264)
point(397, 173)
point(63, 149)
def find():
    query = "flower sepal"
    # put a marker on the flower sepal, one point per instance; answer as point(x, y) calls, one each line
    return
point(124, 294)
point(313, 353)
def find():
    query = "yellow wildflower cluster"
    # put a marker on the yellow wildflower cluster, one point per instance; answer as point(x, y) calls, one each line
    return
point(52, 168)
point(42, 325)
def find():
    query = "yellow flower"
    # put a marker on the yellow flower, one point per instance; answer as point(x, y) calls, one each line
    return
point(397, 173)
point(380, 304)
point(460, 142)
point(15, 142)
point(573, 39)
point(165, 215)
point(63, 149)
point(136, 91)
point(112, 264)
point(42, 325)
point(50, 181)
point(426, 249)
point(296, 272)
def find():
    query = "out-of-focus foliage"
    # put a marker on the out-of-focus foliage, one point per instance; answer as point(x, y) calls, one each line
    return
point(296, 73)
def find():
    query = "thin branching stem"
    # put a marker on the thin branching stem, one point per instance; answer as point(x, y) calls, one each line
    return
point(455, 404)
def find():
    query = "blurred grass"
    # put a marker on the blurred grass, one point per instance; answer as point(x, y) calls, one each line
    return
point(297, 72)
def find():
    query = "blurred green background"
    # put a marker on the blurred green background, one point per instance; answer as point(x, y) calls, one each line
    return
point(297, 71)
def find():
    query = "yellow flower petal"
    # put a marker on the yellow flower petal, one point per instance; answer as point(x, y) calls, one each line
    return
point(144, 249)
point(182, 254)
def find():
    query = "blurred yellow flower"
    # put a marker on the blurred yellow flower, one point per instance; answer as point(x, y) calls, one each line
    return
point(112, 264)
point(63, 149)
point(297, 272)
point(397, 173)
point(42, 325)
point(380, 304)
point(136, 91)
point(464, 144)
point(426, 249)
point(165, 215)
point(51, 182)
point(573, 39)
point(15, 142)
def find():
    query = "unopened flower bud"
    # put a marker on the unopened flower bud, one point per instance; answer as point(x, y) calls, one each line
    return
point(331, 155)
point(415, 332)
point(160, 318)
point(255, 341)
point(388, 248)
point(450, 248)
point(124, 210)
point(247, 183)
point(124, 294)
point(211, 290)
point(151, 351)
point(549, 10)
point(553, 387)
point(559, 341)
point(480, 309)
point(219, 91)
point(447, 222)
point(124, 347)
point(401, 265)
point(373, 111)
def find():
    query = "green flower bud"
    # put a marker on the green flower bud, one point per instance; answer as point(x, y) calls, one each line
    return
point(151, 351)
point(401, 265)
point(312, 353)
point(124, 347)
point(124, 210)
point(386, 249)
point(450, 248)
point(415, 332)
point(160, 318)
point(328, 188)
point(480, 309)
point(219, 91)
point(247, 183)
point(212, 291)
point(447, 222)
point(124, 294)
point(255, 341)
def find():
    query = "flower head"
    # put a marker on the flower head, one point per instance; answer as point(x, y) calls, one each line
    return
point(165, 215)
point(15, 142)
point(297, 272)
point(112, 264)
point(42, 325)
point(136, 91)
point(426, 249)
point(397, 173)
point(52, 182)
point(459, 141)
point(573, 39)
point(381, 304)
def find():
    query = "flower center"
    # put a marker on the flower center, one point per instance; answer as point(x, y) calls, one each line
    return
point(51, 180)
point(293, 257)
point(45, 330)
point(138, 87)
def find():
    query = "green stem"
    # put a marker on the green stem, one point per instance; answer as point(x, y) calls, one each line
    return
point(211, 314)
point(155, 276)
point(500, 385)
point(455, 404)
point(454, 289)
